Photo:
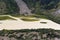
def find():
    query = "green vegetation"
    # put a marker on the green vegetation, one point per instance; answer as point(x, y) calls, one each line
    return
point(30, 34)
point(32, 16)
point(6, 18)
point(9, 7)
point(42, 4)
point(40, 16)
point(4, 31)
point(43, 8)
point(29, 19)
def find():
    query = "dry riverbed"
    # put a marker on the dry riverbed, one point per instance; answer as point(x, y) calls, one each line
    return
point(20, 24)
point(13, 24)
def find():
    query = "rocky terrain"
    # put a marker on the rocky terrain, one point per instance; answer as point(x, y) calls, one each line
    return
point(33, 34)
point(23, 7)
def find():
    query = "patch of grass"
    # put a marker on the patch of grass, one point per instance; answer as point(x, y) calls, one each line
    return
point(32, 16)
point(29, 19)
point(40, 16)
point(6, 18)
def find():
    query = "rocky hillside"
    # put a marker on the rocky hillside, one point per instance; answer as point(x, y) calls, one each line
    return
point(23, 7)
point(8, 7)
point(49, 8)
point(33, 34)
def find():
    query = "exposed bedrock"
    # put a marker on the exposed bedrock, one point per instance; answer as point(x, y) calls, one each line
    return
point(23, 7)
point(56, 16)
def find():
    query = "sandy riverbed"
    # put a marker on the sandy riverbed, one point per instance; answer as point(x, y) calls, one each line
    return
point(15, 24)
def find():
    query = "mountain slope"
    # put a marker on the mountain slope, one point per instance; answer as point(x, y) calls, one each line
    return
point(8, 7)
point(23, 7)
point(49, 8)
